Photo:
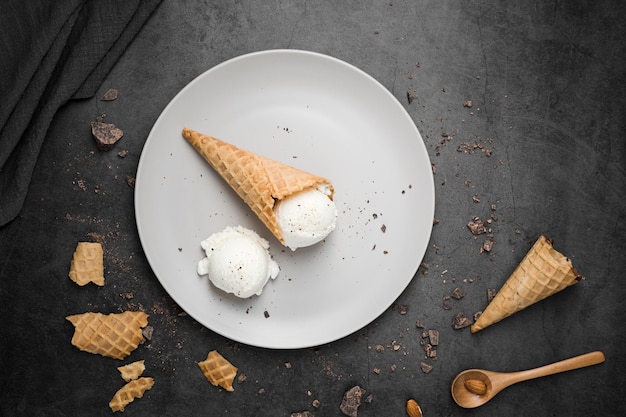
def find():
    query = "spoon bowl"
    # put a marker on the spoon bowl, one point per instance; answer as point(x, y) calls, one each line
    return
point(494, 382)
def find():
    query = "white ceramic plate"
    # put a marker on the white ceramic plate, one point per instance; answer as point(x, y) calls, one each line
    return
point(319, 114)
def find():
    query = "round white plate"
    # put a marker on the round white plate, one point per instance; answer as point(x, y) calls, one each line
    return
point(319, 114)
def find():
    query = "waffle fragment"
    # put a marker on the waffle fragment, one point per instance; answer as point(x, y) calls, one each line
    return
point(87, 264)
point(218, 370)
point(113, 335)
point(130, 391)
point(132, 370)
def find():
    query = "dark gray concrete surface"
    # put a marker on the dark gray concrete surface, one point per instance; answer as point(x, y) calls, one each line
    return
point(546, 81)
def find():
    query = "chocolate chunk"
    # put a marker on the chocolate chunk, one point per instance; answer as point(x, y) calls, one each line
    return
point(458, 293)
point(433, 336)
point(106, 135)
point(460, 321)
point(351, 401)
point(426, 368)
point(477, 226)
point(110, 95)
point(410, 96)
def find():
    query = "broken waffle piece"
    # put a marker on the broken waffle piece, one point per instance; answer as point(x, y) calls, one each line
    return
point(218, 370)
point(132, 370)
point(87, 264)
point(113, 335)
point(130, 391)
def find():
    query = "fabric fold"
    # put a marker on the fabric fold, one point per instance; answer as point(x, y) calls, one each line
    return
point(89, 36)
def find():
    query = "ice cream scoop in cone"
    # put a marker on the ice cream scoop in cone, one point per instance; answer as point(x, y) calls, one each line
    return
point(543, 272)
point(259, 181)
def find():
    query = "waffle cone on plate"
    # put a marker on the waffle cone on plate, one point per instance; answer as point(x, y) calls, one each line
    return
point(87, 264)
point(130, 391)
point(113, 335)
point(543, 272)
point(258, 180)
point(218, 370)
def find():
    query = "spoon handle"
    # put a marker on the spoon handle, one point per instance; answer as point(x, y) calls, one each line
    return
point(588, 359)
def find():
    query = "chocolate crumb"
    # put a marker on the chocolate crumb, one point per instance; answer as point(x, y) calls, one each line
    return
point(460, 321)
point(130, 181)
point(351, 401)
point(477, 315)
point(241, 378)
point(266, 314)
point(419, 324)
point(491, 293)
point(110, 95)
point(404, 309)
point(383, 228)
point(369, 398)
point(488, 245)
point(467, 103)
point(476, 226)
point(106, 135)
point(433, 336)
point(122, 153)
point(316, 403)
point(147, 332)
point(303, 414)
point(410, 96)
point(458, 293)
point(426, 368)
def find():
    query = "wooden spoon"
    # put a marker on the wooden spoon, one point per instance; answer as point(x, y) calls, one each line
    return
point(474, 387)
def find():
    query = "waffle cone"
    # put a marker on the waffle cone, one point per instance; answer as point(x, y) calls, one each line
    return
point(218, 370)
point(259, 181)
point(87, 264)
point(130, 391)
point(543, 272)
point(113, 335)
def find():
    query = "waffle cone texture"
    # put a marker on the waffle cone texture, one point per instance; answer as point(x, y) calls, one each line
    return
point(130, 391)
point(218, 370)
point(87, 264)
point(257, 180)
point(113, 335)
point(543, 272)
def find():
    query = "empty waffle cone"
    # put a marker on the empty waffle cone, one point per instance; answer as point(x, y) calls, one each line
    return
point(130, 391)
point(218, 370)
point(258, 180)
point(87, 264)
point(543, 272)
point(113, 335)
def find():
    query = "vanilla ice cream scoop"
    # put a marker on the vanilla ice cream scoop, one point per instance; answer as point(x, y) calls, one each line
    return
point(238, 261)
point(306, 217)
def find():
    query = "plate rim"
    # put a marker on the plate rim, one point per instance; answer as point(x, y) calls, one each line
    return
point(251, 55)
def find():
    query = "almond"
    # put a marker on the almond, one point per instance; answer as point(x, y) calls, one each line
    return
point(413, 409)
point(476, 386)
